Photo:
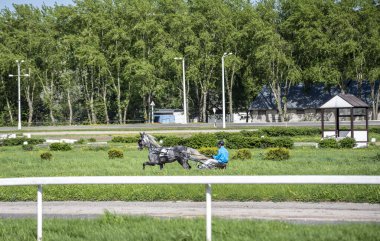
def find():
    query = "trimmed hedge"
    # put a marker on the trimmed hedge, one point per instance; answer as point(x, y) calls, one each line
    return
point(208, 151)
point(201, 140)
point(171, 140)
point(290, 131)
point(125, 139)
point(333, 143)
point(60, 147)
point(347, 143)
point(18, 141)
point(238, 140)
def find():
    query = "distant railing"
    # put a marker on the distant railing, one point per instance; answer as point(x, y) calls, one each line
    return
point(206, 180)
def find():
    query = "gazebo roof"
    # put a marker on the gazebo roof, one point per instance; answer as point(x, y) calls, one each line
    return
point(344, 101)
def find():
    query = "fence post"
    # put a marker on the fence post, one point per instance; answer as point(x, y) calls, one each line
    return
point(208, 212)
point(39, 213)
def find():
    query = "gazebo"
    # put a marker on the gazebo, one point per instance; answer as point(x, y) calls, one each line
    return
point(349, 106)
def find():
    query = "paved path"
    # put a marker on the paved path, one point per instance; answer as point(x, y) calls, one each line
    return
point(285, 211)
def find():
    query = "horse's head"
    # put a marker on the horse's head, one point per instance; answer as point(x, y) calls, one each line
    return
point(146, 141)
point(143, 141)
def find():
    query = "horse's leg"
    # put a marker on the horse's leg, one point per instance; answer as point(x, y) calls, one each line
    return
point(161, 166)
point(149, 164)
point(184, 163)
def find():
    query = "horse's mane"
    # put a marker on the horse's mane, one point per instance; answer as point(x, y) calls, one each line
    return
point(152, 140)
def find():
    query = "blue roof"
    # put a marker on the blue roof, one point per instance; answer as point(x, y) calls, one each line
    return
point(310, 97)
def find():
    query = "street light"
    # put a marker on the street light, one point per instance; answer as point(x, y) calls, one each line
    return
point(184, 86)
point(152, 104)
point(224, 101)
point(19, 91)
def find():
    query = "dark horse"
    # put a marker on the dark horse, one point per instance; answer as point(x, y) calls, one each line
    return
point(159, 155)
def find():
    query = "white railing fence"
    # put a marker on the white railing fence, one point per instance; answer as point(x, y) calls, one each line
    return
point(206, 180)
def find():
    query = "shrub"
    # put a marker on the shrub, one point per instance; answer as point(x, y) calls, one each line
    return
point(27, 147)
point(290, 131)
point(20, 140)
point(46, 156)
point(285, 142)
point(277, 154)
point(125, 139)
point(237, 142)
point(243, 154)
point(347, 143)
point(201, 140)
point(224, 135)
point(81, 141)
point(172, 140)
point(60, 147)
point(250, 133)
point(96, 148)
point(208, 151)
point(115, 153)
point(328, 143)
point(92, 139)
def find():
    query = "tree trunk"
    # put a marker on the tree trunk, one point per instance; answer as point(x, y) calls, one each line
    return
point(9, 110)
point(29, 99)
point(105, 104)
point(276, 89)
point(70, 107)
point(92, 109)
point(118, 100)
point(375, 100)
point(230, 84)
point(204, 105)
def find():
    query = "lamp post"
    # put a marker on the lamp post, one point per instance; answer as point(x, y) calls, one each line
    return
point(223, 95)
point(152, 104)
point(183, 86)
point(19, 90)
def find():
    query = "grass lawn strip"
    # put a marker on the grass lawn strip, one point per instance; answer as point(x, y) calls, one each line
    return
point(14, 162)
point(114, 227)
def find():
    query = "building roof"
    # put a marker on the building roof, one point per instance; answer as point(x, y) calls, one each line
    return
point(310, 97)
point(344, 101)
point(167, 111)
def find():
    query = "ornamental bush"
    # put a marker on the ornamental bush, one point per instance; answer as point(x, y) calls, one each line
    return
point(328, 143)
point(208, 151)
point(201, 140)
point(172, 141)
point(125, 139)
point(46, 156)
point(347, 143)
point(277, 154)
point(18, 141)
point(243, 154)
point(115, 153)
point(60, 147)
point(290, 131)
point(80, 141)
point(27, 147)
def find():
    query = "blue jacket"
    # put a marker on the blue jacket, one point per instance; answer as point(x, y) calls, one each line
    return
point(222, 155)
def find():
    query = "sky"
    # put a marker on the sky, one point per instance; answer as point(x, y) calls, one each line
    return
point(36, 3)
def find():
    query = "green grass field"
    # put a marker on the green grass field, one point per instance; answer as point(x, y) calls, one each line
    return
point(111, 227)
point(14, 162)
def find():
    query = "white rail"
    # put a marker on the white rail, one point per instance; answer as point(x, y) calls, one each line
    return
point(206, 180)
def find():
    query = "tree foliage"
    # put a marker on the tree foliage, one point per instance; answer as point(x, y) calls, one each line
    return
point(104, 61)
